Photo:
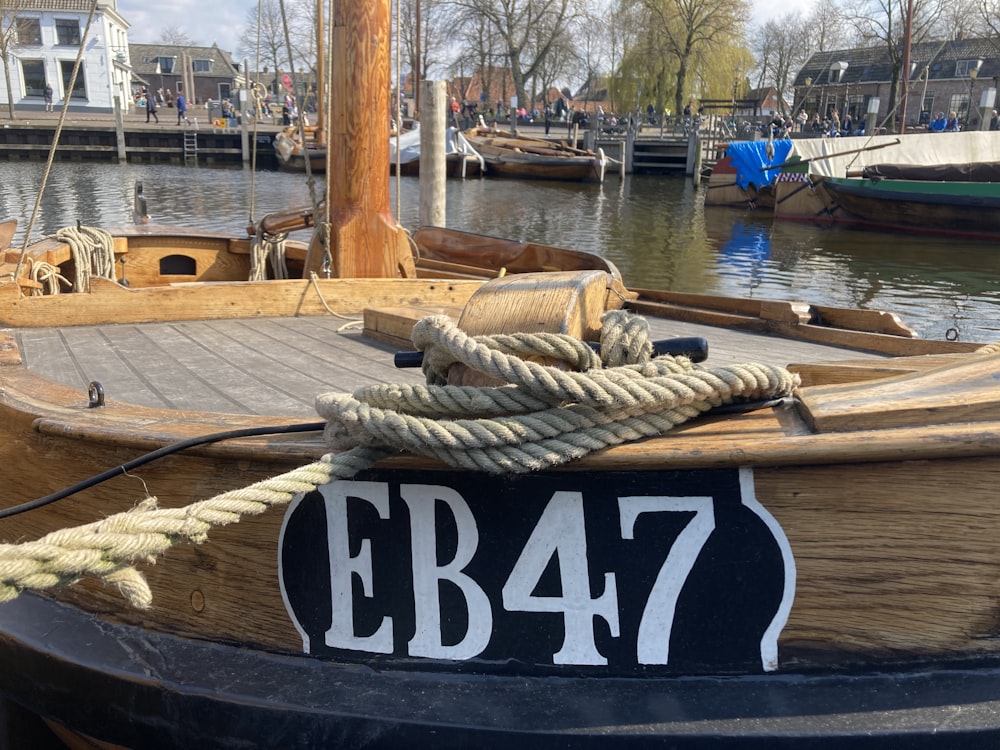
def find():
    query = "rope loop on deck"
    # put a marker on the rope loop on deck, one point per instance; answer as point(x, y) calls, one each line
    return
point(93, 252)
point(539, 415)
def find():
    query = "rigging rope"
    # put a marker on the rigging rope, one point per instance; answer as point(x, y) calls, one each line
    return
point(71, 86)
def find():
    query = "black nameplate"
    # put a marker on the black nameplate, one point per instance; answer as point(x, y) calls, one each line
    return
point(607, 573)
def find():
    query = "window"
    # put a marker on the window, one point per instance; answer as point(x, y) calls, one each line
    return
point(33, 72)
point(963, 67)
point(959, 103)
point(201, 66)
point(80, 89)
point(67, 31)
point(29, 31)
point(166, 65)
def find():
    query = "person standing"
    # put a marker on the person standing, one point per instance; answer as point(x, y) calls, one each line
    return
point(994, 121)
point(151, 106)
point(48, 97)
point(182, 107)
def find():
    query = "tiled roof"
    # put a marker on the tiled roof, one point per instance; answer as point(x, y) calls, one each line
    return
point(873, 63)
point(82, 6)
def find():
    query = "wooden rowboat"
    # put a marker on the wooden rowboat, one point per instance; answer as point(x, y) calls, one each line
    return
point(524, 157)
point(810, 559)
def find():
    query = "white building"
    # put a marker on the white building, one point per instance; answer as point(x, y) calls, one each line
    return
point(44, 48)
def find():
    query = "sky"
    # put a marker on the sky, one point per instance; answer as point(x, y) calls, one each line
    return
point(220, 21)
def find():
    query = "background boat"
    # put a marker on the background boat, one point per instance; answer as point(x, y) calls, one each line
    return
point(462, 158)
point(962, 209)
point(510, 155)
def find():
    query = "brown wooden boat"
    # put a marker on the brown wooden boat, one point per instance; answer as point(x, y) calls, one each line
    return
point(292, 153)
point(569, 548)
point(509, 155)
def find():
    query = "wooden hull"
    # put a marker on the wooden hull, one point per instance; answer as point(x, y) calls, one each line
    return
point(970, 209)
point(507, 155)
point(456, 165)
point(501, 165)
point(807, 544)
point(724, 190)
point(828, 575)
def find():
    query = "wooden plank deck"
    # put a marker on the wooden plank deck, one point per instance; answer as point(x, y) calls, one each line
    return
point(277, 366)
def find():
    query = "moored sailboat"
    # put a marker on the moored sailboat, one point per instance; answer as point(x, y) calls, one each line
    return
point(623, 549)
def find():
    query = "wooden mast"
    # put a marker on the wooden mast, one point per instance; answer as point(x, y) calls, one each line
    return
point(907, 40)
point(365, 240)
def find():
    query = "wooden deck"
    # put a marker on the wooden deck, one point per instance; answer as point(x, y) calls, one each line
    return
point(276, 366)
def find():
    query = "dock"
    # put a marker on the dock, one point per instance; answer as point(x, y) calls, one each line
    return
point(100, 138)
point(103, 138)
point(648, 149)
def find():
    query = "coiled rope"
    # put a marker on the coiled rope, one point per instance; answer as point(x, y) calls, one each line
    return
point(48, 276)
point(93, 252)
point(539, 416)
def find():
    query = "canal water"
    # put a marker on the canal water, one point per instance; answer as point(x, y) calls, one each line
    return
point(657, 230)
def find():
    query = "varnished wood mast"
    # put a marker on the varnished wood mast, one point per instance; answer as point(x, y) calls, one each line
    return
point(365, 240)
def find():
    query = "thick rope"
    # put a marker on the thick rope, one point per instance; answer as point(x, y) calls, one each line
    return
point(109, 549)
point(543, 416)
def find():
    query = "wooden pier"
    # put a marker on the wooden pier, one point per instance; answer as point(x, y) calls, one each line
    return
point(103, 138)
point(660, 150)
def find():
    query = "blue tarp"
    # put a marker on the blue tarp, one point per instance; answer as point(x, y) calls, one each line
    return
point(750, 160)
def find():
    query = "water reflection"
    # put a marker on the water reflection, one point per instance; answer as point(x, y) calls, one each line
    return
point(655, 229)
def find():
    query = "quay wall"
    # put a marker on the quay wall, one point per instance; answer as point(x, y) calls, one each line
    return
point(96, 137)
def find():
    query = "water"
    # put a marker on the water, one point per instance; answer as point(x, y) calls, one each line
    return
point(655, 229)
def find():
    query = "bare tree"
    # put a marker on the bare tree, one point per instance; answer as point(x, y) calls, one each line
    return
point(176, 36)
point(826, 27)
point(515, 23)
point(483, 53)
point(263, 37)
point(423, 39)
point(962, 19)
point(883, 22)
point(780, 52)
point(11, 26)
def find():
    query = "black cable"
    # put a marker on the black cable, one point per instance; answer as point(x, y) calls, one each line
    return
point(257, 431)
point(160, 453)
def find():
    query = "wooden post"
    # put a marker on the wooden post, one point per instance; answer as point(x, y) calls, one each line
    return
point(120, 129)
point(433, 161)
point(364, 238)
point(629, 147)
point(244, 130)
